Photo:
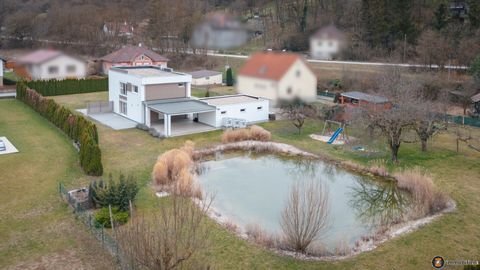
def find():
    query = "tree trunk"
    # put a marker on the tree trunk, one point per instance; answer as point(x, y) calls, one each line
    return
point(424, 145)
point(394, 149)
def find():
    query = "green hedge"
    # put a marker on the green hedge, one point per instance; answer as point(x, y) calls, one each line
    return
point(68, 86)
point(77, 127)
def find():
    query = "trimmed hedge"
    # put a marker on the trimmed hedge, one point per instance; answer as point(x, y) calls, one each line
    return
point(77, 127)
point(68, 86)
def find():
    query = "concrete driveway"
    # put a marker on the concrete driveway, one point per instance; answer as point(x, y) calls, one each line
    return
point(112, 120)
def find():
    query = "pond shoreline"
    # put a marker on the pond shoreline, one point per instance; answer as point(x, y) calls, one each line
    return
point(366, 244)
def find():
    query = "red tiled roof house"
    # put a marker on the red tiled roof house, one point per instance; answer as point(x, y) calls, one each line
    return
point(132, 56)
point(277, 76)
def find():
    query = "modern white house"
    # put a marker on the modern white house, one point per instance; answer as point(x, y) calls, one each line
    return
point(327, 43)
point(277, 76)
point(206, 77)
point(48, 64)
point(160, 98)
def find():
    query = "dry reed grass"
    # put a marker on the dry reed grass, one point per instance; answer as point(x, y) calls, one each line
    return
point(379, 167)
point(255, 133)
point(427, 199)
point(260, 236)
point(173, 172)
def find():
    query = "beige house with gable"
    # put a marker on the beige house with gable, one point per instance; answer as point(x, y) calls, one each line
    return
point(277, 76)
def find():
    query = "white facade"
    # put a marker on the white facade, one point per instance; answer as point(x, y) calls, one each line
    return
point(298, 82)
point(208, 80)
point(324, 48)
point(1, 72)
point(251, 109)
point(60, 67)
point(134, 100)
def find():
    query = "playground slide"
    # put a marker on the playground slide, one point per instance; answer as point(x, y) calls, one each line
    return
point(335, 135)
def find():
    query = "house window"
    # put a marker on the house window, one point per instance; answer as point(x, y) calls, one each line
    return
point(53, 69)
point(223, 112)
point(71, 68)
point(298, 73)
point(289, 90)
point(243, 110)
point(123, 89)
point(259, 108)
point(123, 107)
point(135, 88)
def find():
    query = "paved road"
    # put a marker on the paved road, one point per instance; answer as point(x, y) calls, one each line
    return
point(214, 53)
point(378, 64)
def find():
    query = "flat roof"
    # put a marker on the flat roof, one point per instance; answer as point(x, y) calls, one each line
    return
point(365, 97)
point(203, 73)
point(230, 99)
point(148, 71)
point(179, 106)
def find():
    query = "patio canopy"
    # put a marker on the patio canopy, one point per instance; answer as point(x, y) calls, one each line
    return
point(179, 106)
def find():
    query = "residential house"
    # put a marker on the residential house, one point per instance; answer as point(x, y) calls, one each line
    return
point(132, 56)
point(327, 43)
point(219, 31)
point(277, 76)
point(46, 64)
point(160, 98)
point(206, 77)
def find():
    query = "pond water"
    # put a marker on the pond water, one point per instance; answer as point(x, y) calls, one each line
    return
point(252, 190)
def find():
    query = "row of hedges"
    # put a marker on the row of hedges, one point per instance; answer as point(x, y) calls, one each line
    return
point(68, 86)
point(77, 127)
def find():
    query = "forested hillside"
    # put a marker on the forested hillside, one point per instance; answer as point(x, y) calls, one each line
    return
point(400, 30)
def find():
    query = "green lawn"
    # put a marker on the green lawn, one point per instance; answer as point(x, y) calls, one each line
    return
point(37, 230)
point(454, 236)
point(214, 91)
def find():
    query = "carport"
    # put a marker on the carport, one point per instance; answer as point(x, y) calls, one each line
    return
point(177, 116)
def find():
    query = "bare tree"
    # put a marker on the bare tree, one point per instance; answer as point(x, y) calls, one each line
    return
point(404, 95)
point(427, 122)
point(297, 111)
point(305, 216)
point(168, 239)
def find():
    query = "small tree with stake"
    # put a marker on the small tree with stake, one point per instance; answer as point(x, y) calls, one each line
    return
point(297, 111)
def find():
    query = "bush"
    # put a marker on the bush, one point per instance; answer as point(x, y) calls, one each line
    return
point(77, 127)
point(255, 133)
point(68, 86)
point(118, 194)
point(102, 217)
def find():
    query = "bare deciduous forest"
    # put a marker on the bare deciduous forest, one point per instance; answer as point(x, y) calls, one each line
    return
point(402, 31)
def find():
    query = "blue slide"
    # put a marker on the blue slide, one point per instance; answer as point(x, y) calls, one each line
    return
point(335, 135)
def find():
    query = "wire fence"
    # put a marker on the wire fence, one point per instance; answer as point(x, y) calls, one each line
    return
point(98, 230)
point(463, 120)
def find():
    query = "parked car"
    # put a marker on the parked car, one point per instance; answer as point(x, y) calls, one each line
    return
point(2, 146)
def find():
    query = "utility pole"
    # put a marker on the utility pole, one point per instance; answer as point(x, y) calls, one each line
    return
point(404, 48)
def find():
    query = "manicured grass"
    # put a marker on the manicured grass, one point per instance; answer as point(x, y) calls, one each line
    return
point(37, 230)
point(455, 235)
